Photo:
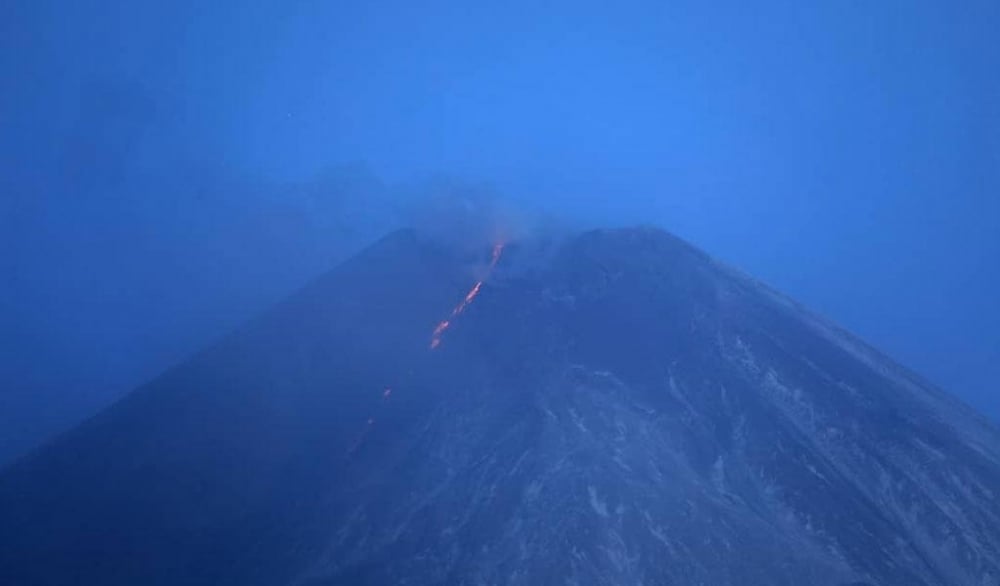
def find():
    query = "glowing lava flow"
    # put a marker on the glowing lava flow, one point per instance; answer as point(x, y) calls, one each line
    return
point(446, 323)
point(435, 342)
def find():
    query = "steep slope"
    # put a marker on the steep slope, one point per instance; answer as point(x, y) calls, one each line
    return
point(623, 411)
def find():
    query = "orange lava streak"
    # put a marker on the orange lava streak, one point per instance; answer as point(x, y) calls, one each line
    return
point(446, 323)
point(472, 295)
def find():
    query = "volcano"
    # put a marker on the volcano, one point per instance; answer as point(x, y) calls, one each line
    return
point(613, 408)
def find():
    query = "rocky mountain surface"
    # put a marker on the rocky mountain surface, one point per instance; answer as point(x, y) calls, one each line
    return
point(614, 408)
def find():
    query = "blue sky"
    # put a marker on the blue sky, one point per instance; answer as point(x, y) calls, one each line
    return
point(848, 153)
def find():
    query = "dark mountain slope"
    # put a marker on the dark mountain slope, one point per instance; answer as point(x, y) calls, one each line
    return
point(623, 411)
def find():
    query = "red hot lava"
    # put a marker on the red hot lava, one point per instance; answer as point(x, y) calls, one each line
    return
point(444, 324)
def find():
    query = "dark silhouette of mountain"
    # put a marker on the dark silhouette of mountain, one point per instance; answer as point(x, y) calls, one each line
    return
point(616, 408)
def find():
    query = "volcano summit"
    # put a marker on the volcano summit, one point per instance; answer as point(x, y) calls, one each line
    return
point(616, 409)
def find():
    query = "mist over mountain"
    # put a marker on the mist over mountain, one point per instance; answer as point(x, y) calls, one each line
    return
point(134, 273)
point(167, 170)
point(190, 257)
point(317, 293)
point(600, 408)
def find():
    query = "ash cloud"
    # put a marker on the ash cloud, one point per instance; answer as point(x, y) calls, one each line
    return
point(470, 218)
